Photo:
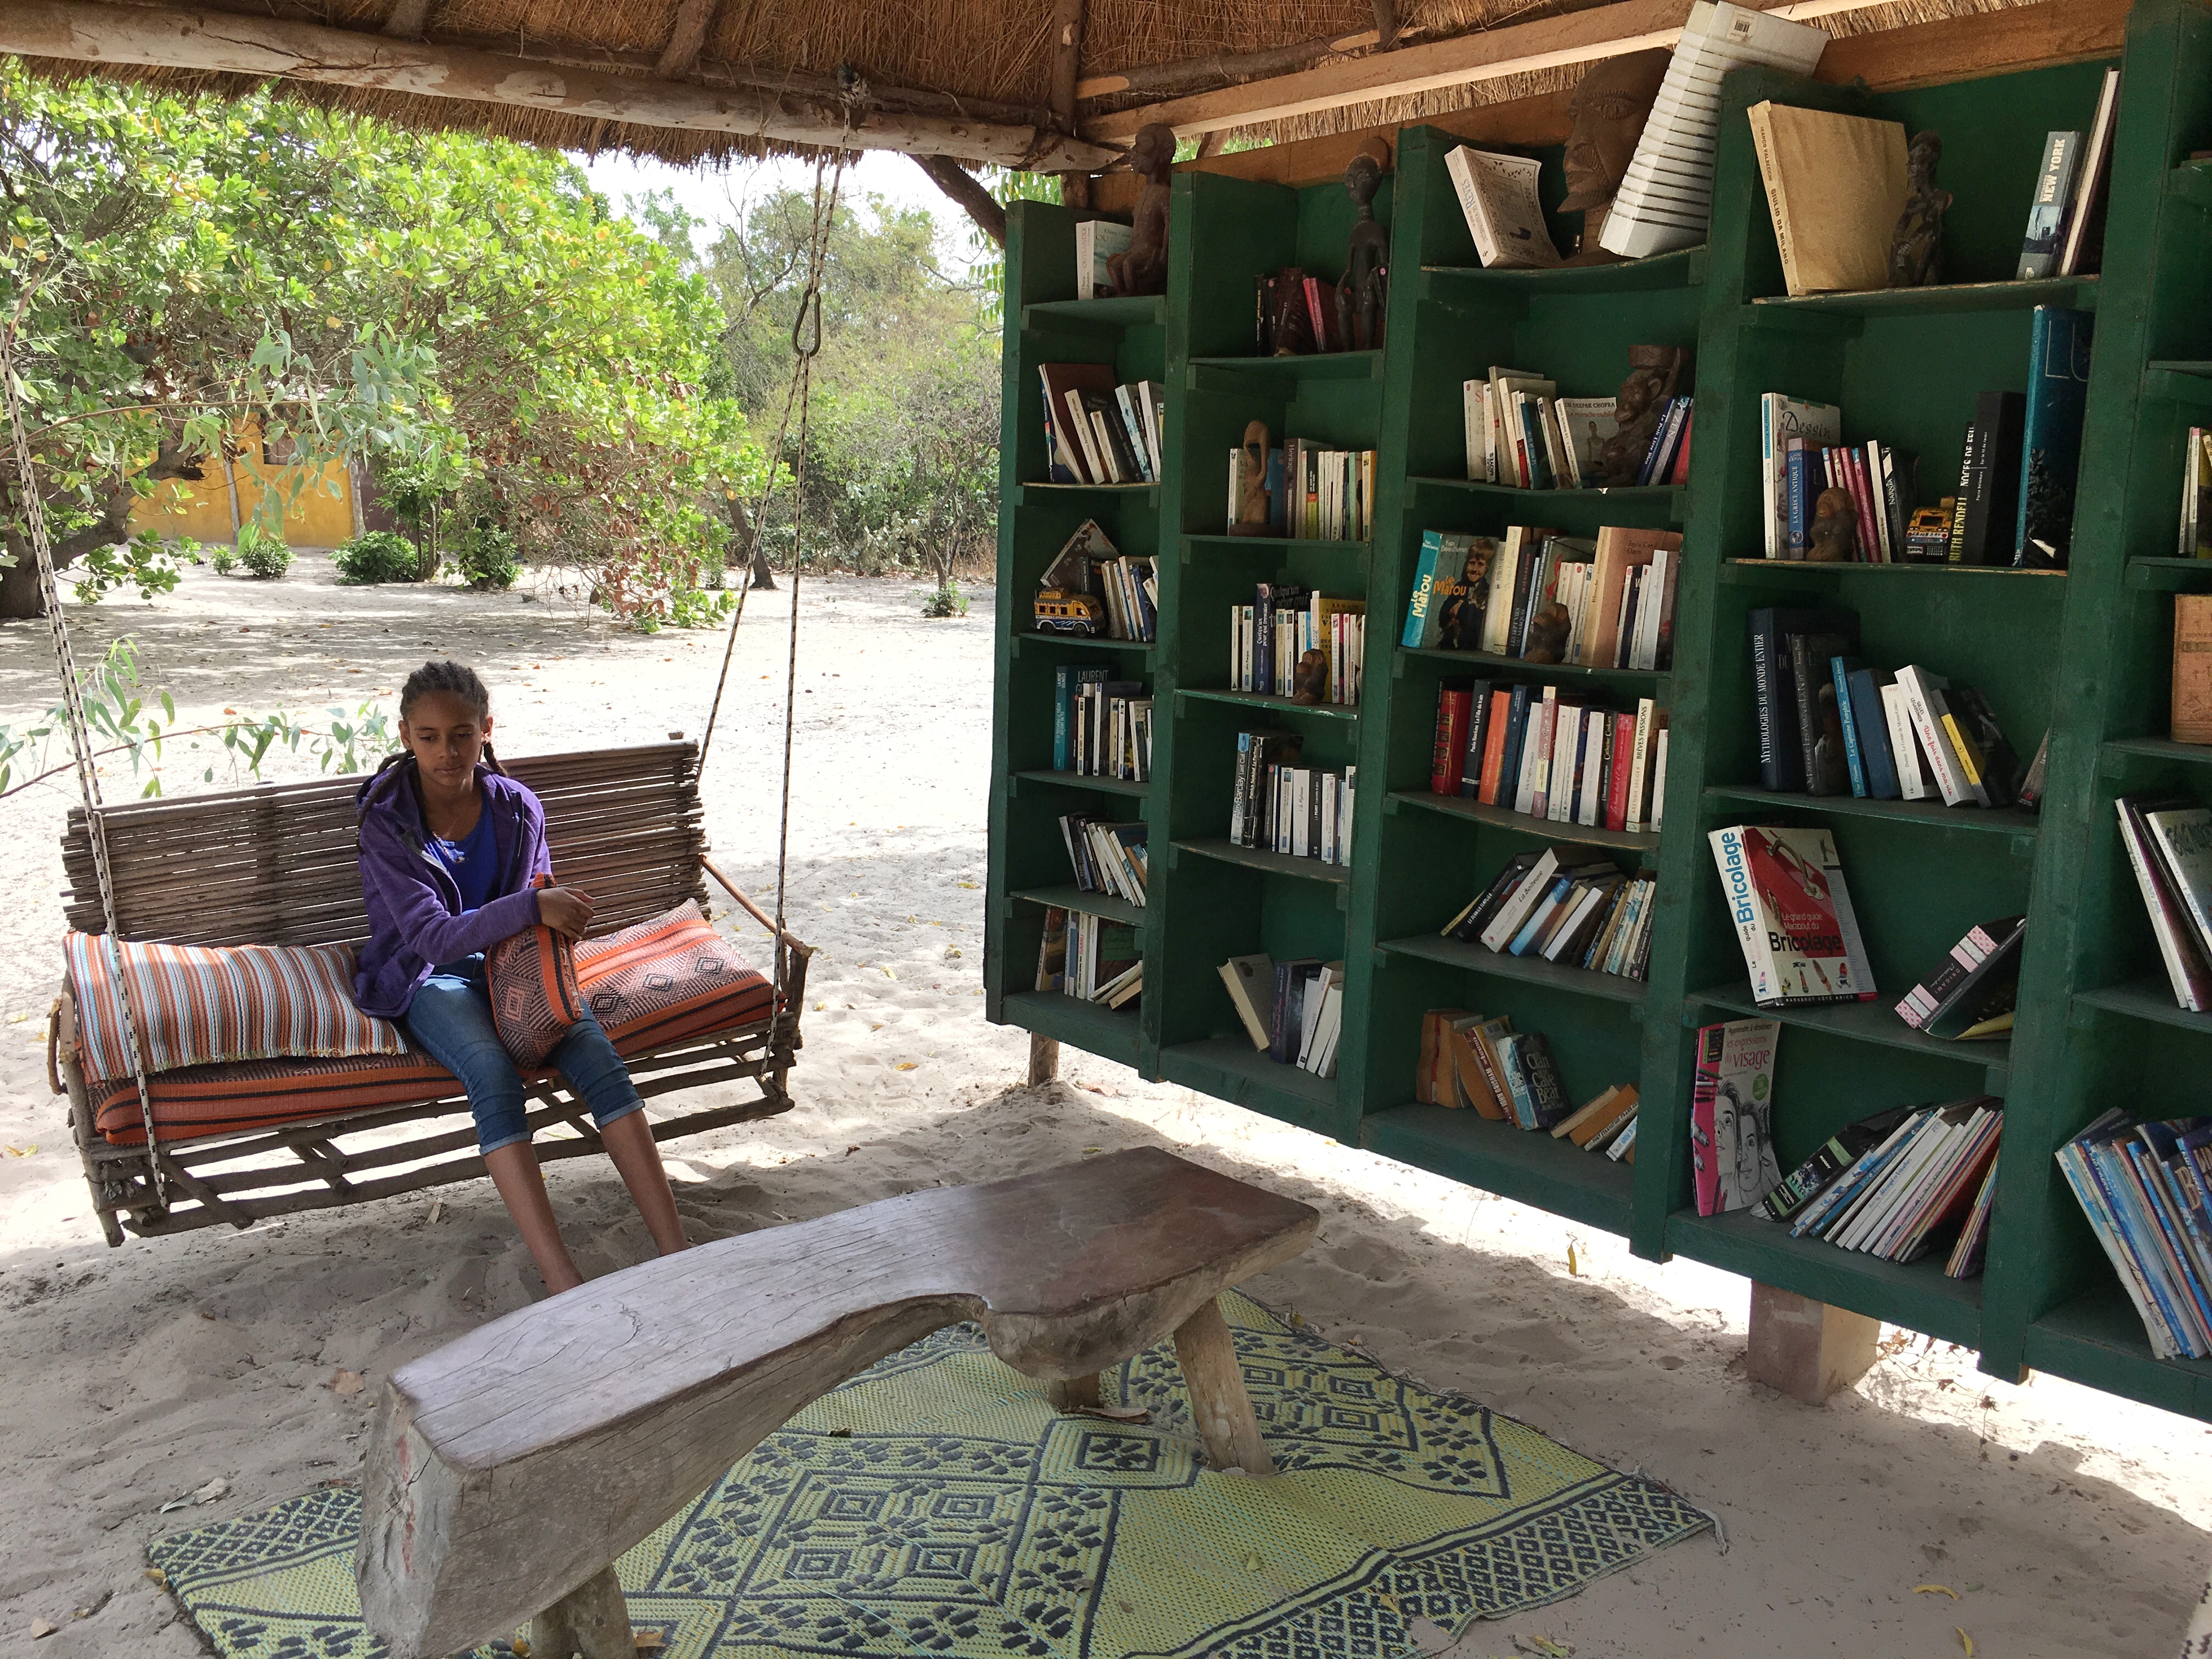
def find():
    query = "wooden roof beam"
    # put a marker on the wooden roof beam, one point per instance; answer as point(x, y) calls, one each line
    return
point(694, 21)
point(79, 31)
point(1579, 37)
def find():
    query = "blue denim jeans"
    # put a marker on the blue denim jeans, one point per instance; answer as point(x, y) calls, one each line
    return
point(451, 1020)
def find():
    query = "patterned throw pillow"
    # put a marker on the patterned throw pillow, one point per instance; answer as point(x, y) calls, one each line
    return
point(534, 998)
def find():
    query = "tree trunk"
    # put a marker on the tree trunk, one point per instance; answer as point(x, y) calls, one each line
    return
point(741, 522)
point(19, 582)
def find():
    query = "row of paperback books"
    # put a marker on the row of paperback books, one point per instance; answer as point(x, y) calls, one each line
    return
point(1313, 494)
point(1520, 432)
point(1302, 812)
point(1830, 724)
point(1297, 315)
point(1107, 858)
point(1533, 751)
point(2147, 1190)
point(2169, 845)
point(1102, 727)
point(1927, 1166)
point(1270, 642)
point(1292, 1011)
point(1098, 432)
point(2196, 495)
point(1541, 597)
point(1093, 958)
point(1471, 1061)
point(1570, 907)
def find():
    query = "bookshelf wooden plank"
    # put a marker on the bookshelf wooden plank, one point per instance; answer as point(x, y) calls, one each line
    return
point(1049, 775)
point(2098, 1339)
point(1532, 971)
point(1024, 643)
point(1259, 858)
point(1999, 821)
point(2181, 386)
point(1874, 1021)
point(2191, 182)
point(1528, 1166)
point(1091, 904)
point(1675, 498)
point(2079, 292)
point(1279, 377)
point(2169, 575)
point(1470, 284)
point(1575, 834)
point(1642, 682)
point(1231, 1069)
point(1123, 311)
point(1739, 571)
point(1111, 1033)
point(1211, 545)
point(2200, 366)
point(2145, 998)
point(2160, 748)
point(1260, 700)
point(1050, 491)
point(1916, 1295)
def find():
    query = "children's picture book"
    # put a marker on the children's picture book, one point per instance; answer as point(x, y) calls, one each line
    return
point(1732, 1116)
point(1784, 890)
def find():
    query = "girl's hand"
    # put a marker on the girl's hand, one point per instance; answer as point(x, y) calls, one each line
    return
point(565, 909)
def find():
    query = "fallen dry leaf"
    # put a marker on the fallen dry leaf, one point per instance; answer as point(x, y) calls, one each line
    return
point(522, 1647)
point(214, 1489)
point(156, 1577)
point(344, 1383)
point(1964, 1640)
point(1936, 1589)
point(21, 1152)
point(903, 1065)
point(42, 1627)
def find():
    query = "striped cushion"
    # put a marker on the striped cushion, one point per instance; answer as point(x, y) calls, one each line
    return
point(198, 1005)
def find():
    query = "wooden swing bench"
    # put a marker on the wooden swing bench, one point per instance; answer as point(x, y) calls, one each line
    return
point(276, 864)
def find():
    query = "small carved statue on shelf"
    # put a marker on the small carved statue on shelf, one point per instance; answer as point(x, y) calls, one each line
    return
point(1548, 627)
point(1608, 110)
point(1654, 373)
point(1835, 528)
point(1309, 679)
point(1363, 294)
point(1915, 250)
point(1252, 517)
point(1142, 268)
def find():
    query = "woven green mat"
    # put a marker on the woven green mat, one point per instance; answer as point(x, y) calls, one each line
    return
point(937, 1505)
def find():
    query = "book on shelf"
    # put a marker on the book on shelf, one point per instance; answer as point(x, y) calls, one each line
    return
point(1105, 961)
point(1786, 893)
point(2196, 495)
point(1292, 1011)
point(1280, 805)
point(1102, 727)
point(1777, 700)
point(2191, 706)
point(1268, 638)
point(1546, 597)
point(1989, 480)
point(1835, 1155)
point(1497, 197)
point(1251, 983)
point(2051, 436)
point(1544, 754)
point(1610, 1114)
point(1098, 432)
point(1448, 607)
point(1107, 858)
point(1835, 189)
point(1972, 991)
point(2082, 244)
point(1097, 240)
point(2047, 209)
point(1621, 610)
point(1052, 950)
point(1895, 1198)
point(1470, 1061)
point(2168, 839)
point(1780, 420)
point(1732, 1116)
point(1565, 906)
point(2144, 1190)
point(1665, 199)
point(1313, 494)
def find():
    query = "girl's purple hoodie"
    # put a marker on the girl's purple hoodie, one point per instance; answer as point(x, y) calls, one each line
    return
point(415, 919)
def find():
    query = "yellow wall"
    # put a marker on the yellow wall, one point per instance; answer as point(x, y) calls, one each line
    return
point(202, 511)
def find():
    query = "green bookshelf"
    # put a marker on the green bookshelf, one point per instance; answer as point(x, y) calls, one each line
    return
point(2083, 653)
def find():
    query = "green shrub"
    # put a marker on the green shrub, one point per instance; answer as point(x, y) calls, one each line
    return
point(487, 551)
point(266, 556)
point(141, 562)
point(692, 607)
point(221, 559)
point(947, 601)
point(377, 556)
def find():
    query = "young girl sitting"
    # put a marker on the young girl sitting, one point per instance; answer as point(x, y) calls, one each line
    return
point(449, 844)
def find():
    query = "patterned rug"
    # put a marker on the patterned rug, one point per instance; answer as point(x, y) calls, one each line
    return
point(937, 1505)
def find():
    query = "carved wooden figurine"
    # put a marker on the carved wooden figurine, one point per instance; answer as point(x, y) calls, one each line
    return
point(1915, 250)
point(1252, 516)
point(1835, 527)
point(1309, 679)
point(1548, 627)
point(1654, 373)
point(1608, 110)
point(1363, 296)
point(1142, 268)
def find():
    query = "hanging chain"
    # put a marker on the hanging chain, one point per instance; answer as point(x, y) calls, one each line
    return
point(87, 779)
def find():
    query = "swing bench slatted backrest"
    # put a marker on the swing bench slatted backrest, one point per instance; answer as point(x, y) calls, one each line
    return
point(276, 864)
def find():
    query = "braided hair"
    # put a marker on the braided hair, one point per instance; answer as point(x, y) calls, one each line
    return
point(455, 679)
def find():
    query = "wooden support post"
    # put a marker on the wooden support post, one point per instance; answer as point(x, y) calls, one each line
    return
point(1073, 1393)
point(1044, 1060)
point(1807, 1349)
point(1066, 59)
point(1218, 1403)
point(590, 1622)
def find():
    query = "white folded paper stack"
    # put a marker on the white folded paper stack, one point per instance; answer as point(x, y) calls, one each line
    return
point(1666, 196)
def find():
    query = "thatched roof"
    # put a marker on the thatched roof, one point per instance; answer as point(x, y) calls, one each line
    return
point(980, 61)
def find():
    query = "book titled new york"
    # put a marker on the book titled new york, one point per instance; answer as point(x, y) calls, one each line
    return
point(1786, 893)
point(2046, 212)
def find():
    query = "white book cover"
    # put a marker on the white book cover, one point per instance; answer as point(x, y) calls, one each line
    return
point(1096, 240)
point(1659, 783)
point(1567, 743)
point(1638, 758)
point(1588, 423)
point(1497, 195)
point(1923, 701)
point(1781, 419)
point(1524, 898)
point(2184, 834)
point(1786, 893)
point(1477, 418)
point(1909, 1180)
point(1904, 747)
point(1591, 812)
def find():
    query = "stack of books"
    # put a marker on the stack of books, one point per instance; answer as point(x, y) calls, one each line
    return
point(1888, 1186)
point(1107, 858)
point(2196, 495)
point(2144, 1189)
point(1098, 432)
point(1314, 494)
point(1520, 432)
point(1830, 724)
point(1473, 1060)
point(1102, 727)
point(1279, 804)
point(1538, 596)
point(1093, 957)
point(1531, 749)
point(1293, 1011)
point(2169, 845)
point(1568, 906)
point(1285, 621)
point(1970, 994)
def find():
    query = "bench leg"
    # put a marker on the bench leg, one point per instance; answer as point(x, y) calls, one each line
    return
point(1044, 1060)
point(590, 1622)
point(1073, 1393)
point(1805, 1348)
point(1218, 1401)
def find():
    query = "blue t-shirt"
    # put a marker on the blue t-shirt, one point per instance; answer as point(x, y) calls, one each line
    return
point(472, 862)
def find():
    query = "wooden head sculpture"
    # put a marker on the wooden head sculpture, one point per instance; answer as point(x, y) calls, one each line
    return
point(1363, 294)
point(1609, 111)
point(1143, 268)
point(1654, 374)
point(1252, 516)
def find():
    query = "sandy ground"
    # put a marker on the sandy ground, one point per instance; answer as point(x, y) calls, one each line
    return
point(2067, 1522)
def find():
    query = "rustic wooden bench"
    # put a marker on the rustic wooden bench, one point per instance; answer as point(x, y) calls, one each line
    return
point(276, 864)
point(508, 1470)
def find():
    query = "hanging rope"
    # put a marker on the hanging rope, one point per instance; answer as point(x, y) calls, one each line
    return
point(88, 778)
